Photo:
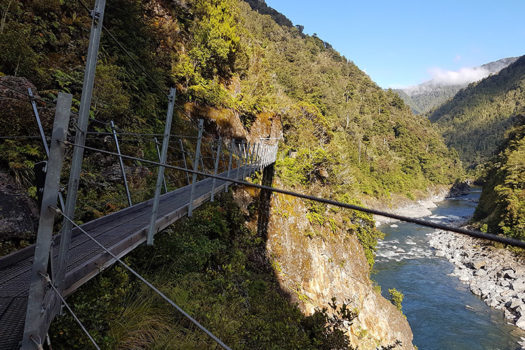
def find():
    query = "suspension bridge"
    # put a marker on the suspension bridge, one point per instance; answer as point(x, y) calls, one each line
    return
point(110, 237)
point(35, 281)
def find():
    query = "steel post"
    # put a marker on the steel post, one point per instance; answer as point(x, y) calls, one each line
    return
point(195, 166)
point(216, 168)
point(252, 156)
point(160, 174)
point(122, 168)
point(80, 136)
point(41, 305)
point(43, 136)
point(244, 159)
point(160, 160)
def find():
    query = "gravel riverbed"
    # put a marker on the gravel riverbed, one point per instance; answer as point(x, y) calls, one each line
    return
point(496, 275)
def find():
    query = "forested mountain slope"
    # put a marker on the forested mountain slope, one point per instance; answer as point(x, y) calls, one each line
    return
point(424, 97)
point(502, 203)
point(475, 120)
point(343, 137)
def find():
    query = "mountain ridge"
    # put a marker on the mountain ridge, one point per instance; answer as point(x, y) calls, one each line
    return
point(424, 97)
point(474, 122)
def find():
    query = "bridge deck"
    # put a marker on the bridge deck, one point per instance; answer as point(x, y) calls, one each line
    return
point(121, 232)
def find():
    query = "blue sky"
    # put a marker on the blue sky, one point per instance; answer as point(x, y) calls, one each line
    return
point(400, 43)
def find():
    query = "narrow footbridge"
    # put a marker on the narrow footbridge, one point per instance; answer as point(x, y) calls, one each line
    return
point(120, 232)
point(35, 281)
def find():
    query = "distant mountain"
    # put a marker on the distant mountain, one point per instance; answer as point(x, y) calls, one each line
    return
point(474, 122)
point(424, 97)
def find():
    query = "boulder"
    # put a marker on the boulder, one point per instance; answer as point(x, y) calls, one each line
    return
point(509, 274)
point(514, 303)
point(518, 285)
point(521, 322)
point(459, 189)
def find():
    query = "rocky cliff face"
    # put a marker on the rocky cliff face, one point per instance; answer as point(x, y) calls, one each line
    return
point(316, 267)
point(315, 263)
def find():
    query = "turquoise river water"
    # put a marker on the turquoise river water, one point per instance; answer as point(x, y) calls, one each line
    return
point(442, 312)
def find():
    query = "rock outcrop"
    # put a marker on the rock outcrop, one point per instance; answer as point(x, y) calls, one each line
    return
point(316, 264)
point(460, 188)
point(18, 215)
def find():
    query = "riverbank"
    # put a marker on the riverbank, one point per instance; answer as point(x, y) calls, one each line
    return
point(443, 313)
point(496, 275)
point(412, 208)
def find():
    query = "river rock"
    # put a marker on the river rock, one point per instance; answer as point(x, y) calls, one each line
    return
point(509, 274)
point(521, 322)
point(518, 285)
point(496, 275)
point(514, 304)
point(480, 273)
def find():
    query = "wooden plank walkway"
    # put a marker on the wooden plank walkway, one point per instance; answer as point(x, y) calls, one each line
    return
point(120, 232)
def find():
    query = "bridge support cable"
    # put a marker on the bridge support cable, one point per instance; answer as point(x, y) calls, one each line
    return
point(195, 166)
point(36, 321)
point(476, 234)
point(57, 292)
point(230, 151)
point(160, 174)
point(122, 168)
point(142, 279)
point(216, 168)
point(184, 160)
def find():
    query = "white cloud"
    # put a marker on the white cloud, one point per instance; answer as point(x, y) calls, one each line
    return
point(460, 77)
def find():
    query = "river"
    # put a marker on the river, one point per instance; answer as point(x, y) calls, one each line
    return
point(443, 313)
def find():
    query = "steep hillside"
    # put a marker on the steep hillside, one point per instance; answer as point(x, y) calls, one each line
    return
point(475, 120)
point(502, 203)
point(424, 97)
point(342, 137)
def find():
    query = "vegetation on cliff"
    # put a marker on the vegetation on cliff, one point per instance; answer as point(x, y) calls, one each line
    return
point(214, 267)
point(475, 120)
point(502, 204)
point(344, 137)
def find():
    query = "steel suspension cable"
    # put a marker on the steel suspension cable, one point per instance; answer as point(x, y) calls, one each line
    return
point(46, 277)
point(142, 279)
point(464, 231)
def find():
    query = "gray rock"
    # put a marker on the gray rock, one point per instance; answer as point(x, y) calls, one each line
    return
point(479, 264)
point(509, 274)
point(518, 285)
point(504, 283)
point(515, 303)
point(521, 322)
point(480, 273)
point(520, 310)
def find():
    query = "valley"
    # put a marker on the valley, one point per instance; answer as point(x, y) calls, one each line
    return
point(259, 269)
